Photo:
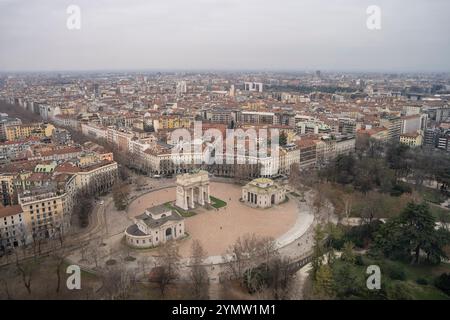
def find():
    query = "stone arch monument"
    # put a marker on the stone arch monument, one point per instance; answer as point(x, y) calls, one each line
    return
point(192, 189)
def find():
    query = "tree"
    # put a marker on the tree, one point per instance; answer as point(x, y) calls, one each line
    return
point(199, 274)
point(435, 247)
point(94, 253)
point(411, 232)
point(246, 253)
point(59, 255)
point(294, 175)
point(347, 253)
point(167, 266)
point(5, 285)
point(419, 226)
point(323, 284)
point(283, 138)
point(118, 282)
point(140, 182)
point(399, 290)
point(318, 202)
point(318, 251)
point(373, 207)
point(347, 282)
point(237, 256)
point(120, 195)
point(26, 272)
point(83, 209)
point(348, 201)
point(443, 283)
point(396, 157)
point(369, 147)
point(280, 278)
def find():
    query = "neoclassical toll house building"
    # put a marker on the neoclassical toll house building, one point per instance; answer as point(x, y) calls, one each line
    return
point(155, 226)
point(192, 188)
point(263, 193)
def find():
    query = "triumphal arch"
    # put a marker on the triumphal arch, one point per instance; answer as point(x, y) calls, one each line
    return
point(192, 188)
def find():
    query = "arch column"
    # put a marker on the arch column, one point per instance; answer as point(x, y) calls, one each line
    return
point(192, 198)
point(208, 200)
point(201, 198)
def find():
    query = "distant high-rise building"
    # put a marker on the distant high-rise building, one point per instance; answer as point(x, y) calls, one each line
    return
point(394, 126)
point(253, 86)
point(97, 90)
point(430, 138)
point(347, 126)
point(232, 91)
point(443, 141)
point(181, 88)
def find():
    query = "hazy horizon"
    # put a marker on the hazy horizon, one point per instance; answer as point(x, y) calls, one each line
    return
point(225, 36)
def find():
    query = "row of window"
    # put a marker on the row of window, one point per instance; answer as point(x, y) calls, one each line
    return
point(42, 204)
point(43, 210)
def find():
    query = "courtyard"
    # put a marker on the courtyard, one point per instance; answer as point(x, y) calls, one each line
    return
point(217, 229)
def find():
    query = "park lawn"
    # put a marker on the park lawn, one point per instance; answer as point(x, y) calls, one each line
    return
point(183, 213)
point(427, 292)
point(85, 274)
point(432, 195)
point(439, 212)
point(414, 272)
point(217, 203)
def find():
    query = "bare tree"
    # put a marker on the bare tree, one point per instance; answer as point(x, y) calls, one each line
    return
point(373, 207)
point(140, 183)
point(83, 251)
point(247, 253)
point(143, 263)
point(59, 256)
point(235, 259)
point(348, 203)
point(118, 282)
point(267, 250)
point(94, 253)
point(295, 176)
point(26, 272)
point(199, 274)
point(5, 285)
point(280, 278)
point(167, 267)
point(318, 202)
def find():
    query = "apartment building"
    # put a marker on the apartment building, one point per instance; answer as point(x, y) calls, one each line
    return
point(23, 131)
point(5, 122)
point(47, 211)
point(412, 140)
point(289, 155)
point(394, 126)
point(7, 191)
point(12, 227)
point(94, 131)
point(307, 153)
point(94, 177)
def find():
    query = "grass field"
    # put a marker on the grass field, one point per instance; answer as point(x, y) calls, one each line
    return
point(432, 195)
point(412, 273)
point(183, 213)
point(217, 203)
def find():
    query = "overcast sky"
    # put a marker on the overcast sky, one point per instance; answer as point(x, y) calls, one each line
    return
point(225, 35)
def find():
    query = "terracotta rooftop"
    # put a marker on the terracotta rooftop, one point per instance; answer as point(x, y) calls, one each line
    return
point(10, 211)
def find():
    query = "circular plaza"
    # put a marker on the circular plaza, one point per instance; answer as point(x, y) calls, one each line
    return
point(217, 229)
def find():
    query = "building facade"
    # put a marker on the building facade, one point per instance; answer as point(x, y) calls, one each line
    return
point(155, 226)
point(263, 193)
point(192, 188)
